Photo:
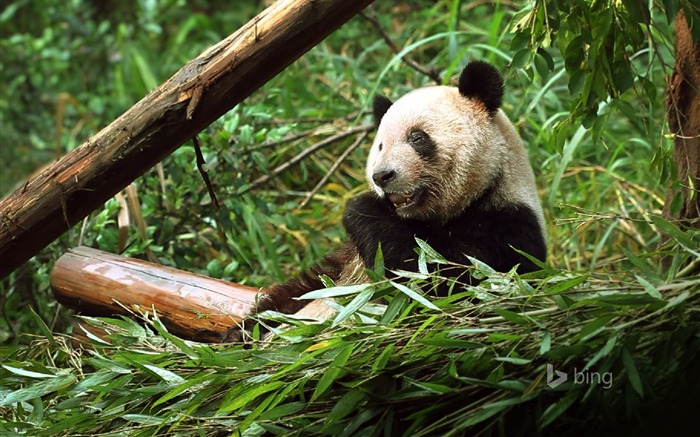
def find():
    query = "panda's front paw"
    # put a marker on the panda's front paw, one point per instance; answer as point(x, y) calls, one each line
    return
point(239, 333)
point(363, 214)
point(233, 335)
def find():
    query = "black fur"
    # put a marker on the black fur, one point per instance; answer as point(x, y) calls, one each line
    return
point(380, 105)
point(423, 144)
point(482, 81)
point(481, 231)
point(281, 297)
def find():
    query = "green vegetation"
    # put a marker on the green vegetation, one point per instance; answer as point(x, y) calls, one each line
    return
point(424, 366)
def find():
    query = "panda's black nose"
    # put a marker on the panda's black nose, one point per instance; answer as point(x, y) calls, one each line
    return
point(383, 177)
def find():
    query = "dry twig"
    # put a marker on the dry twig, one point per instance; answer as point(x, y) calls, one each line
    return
point(432, 73)
point(333, 168)
point(203, 172)
point(306, 152)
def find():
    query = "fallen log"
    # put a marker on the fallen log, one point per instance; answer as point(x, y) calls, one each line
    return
point(202, 91)
point(191, 306)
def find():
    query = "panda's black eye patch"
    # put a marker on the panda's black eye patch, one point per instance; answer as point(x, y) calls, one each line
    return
point(422, 143)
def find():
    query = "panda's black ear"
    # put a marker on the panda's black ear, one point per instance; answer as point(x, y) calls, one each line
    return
point(380, 106)
point(482, 81)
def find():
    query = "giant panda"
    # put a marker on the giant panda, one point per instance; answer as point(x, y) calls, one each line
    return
point(446, 166)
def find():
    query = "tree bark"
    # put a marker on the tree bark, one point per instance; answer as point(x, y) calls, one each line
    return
point(202, 91)
point(683, 112)
point(194, 307)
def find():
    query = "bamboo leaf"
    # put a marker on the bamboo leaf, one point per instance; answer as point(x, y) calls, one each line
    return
point(678, 299)
point(379, 261)
point(347, 404)
point(566, 285)
point(283, 410)
point(632, 373)
point(145, 419)
point(39, 389)
point(333, 372)
point(90, 335)
point(647, 270)
point(28, 373)
point(396, 305)
point(240, 400)
point(362, 298)
point(380, 362)
point(510, 401)
point(201, 380)
point(165, 375)
point(413, 295)
point(503, 336)
point(604, 351)
point(432, 387)
point(514, 360)
point(593, 327)
point(558, 408)
point(539, 263)
point(45, 331)
point(469, 331)
point(411, 275)
point(627, 299)
point(94, 380)
point(481, 266)
point(341, 290)
point(423, 264)
point(481, 415)
point(513, 317)
point(546, 343)
point(147, 76)
point(429, 322)
point(177, 341)
point(653, 292)
point(670, 229)
point(432, 256)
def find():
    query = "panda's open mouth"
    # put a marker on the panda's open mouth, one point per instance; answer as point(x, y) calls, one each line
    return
point(405, 200)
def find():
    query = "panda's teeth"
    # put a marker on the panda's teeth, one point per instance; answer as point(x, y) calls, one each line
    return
point(400, 200)
point(405, 203)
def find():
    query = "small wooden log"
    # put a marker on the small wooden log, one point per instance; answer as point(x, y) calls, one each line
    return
point(191, 306)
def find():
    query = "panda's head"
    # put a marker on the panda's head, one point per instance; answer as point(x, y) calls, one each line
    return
point(438, 148)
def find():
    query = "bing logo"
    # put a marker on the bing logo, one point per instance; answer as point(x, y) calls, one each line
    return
point(561, 377)
point(604, 379)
